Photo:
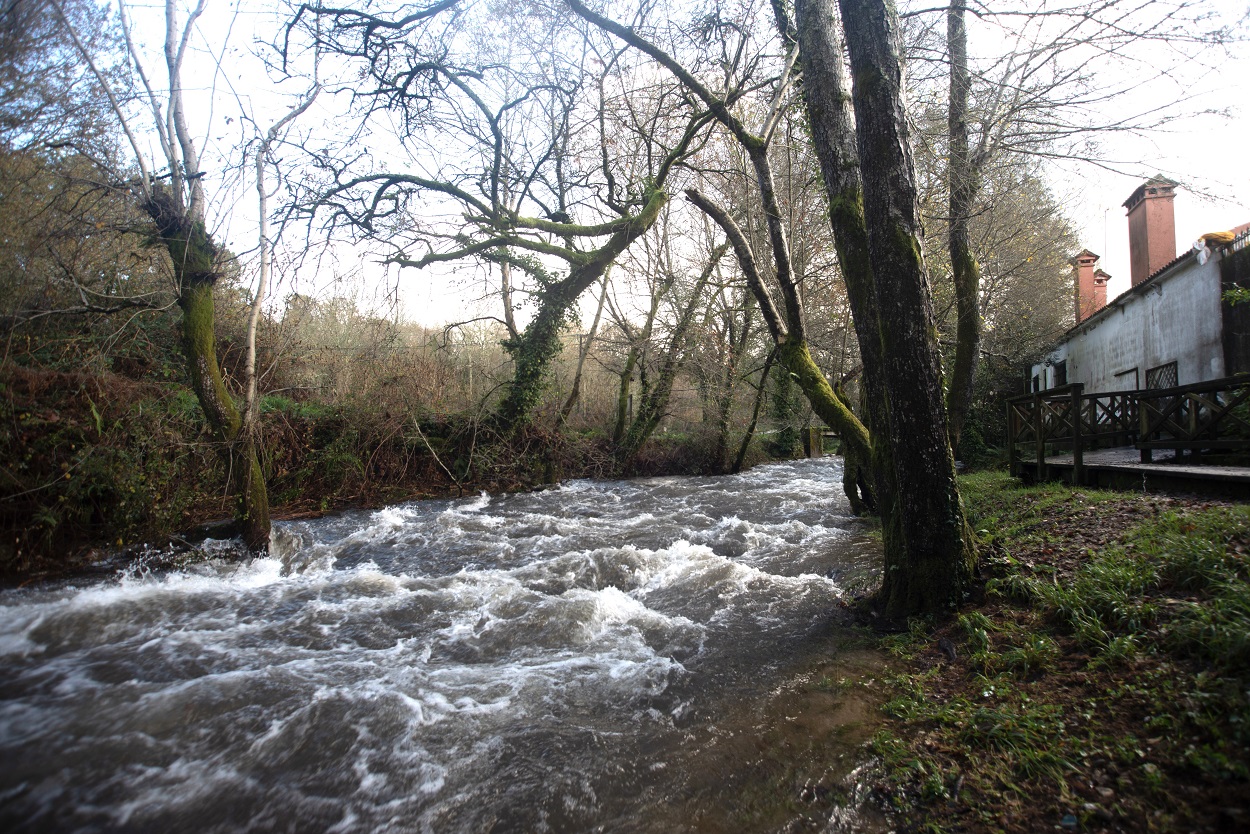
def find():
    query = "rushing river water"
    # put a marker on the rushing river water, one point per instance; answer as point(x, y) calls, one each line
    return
point(562, 660)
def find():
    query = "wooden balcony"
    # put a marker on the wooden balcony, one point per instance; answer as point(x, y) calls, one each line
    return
point(1200, 434)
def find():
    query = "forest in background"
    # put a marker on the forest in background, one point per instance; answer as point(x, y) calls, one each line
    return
point(103, 444)
point(104, 438)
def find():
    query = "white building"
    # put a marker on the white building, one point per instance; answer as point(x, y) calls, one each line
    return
point(1172, 327)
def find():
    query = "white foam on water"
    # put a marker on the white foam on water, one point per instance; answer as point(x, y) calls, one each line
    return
point(469, 506)
point(14, 628)
point(686, 563)
point(401, 679)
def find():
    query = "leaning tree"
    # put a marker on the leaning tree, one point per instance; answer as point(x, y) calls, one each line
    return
point(736, 71)
point(510, 141)
point(169, 189)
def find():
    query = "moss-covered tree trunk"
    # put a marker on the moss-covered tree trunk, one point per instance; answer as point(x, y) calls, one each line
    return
point(791, 347)
point(624, 390)
point(794, 356)
point(965, 271)
point(193, 254)
point(539, 343)
point(930, 573)
point(826, 95)
point(857, 473)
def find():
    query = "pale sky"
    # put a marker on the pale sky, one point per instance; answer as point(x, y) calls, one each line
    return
point(1205, 154)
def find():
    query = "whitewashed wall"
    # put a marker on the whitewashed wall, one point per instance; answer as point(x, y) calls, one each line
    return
point(1174, 317)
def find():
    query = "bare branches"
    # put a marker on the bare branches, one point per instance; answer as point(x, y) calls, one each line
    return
point(1069, 73)
point(251, 408)
point(367, 24)
point(746, 262)
point(145, 181)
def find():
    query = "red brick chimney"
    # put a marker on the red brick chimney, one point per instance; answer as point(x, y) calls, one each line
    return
point(1100, 289)
point(1091, 285)
point(1151, 228)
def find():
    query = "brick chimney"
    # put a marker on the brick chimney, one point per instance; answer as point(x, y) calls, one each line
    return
point(1091, 285)
point(1100, 289)
point(1151, 228)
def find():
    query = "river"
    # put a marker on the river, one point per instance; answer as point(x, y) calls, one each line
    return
point(663, 654)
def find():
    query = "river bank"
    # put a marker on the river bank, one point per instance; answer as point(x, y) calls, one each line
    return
point(1102, 683)
point(94, 464)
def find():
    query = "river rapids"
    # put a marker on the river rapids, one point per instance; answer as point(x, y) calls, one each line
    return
point(551, 661)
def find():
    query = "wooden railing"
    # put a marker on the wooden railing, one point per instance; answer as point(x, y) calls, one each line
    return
point(1067, 418)
point(1206, 415)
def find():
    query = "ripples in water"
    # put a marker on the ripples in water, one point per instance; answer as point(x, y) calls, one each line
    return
point(547, 661)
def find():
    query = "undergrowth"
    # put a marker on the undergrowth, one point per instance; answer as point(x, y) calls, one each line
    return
point(1104, 684)
point(94, 460)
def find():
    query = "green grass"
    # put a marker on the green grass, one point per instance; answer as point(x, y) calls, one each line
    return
point(1128, 657)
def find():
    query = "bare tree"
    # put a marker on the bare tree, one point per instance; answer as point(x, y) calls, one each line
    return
point(1054, 90)
point(685, 296)
point(496, 130)
point(48, 99)
point(174, 201)
point(264, 244)
point(739, 76)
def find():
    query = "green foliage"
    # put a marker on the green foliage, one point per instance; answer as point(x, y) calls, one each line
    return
point(1126, 596)
point(786, 442)
point(1237, 295)
point(1035, 654)
point(976, 627)
point(86, 464)
point(287, 407)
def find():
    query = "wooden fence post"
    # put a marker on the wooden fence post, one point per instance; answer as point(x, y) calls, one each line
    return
point(1013, 454)
point(1039, 431)
point(1078, 436)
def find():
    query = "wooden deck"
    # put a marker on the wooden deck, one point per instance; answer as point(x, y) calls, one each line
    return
point(1121, 468)
point(1166, 440)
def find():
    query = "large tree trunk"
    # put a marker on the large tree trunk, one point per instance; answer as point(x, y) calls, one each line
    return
point(928, 565)
point(826, 93)
point(965, 271)
point(193, 255)
point(936, 562)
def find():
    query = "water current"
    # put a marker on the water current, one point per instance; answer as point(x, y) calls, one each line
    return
point(550, 661)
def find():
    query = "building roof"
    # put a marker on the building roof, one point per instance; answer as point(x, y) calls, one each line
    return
point(1155, 182)
point(1120, 300)
point(1155, 278)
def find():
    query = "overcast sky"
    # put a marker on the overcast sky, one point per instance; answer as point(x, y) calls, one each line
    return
point(1206, 154)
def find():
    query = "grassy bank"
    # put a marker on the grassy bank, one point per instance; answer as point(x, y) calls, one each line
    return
point(1101, 684)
